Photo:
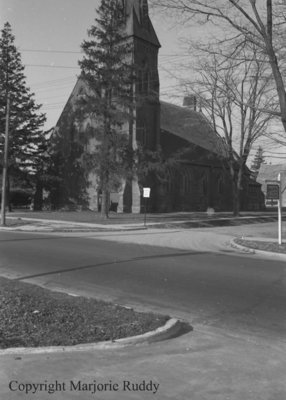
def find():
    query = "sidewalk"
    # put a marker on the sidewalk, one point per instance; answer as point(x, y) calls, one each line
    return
point(202, 365)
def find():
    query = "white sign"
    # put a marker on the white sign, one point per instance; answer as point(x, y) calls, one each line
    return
point(146, 192)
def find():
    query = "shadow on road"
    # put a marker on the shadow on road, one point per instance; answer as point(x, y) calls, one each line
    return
point(133, 259)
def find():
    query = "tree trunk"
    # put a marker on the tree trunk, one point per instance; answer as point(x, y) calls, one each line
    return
point(38, 197)
point(279, 83)
point(8, 196)
point(236, 199)
point(105, 203)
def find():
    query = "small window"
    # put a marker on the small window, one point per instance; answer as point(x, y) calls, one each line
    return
point(81, 94)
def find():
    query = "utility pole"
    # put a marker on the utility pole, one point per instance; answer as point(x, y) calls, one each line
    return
point(5, 164)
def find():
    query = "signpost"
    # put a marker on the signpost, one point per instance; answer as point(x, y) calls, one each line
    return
point(146, 195)
point(279, 211)
point(273, 192)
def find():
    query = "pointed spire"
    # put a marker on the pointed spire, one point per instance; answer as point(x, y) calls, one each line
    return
point(144, 11)
point(138, 22)
point(141, 8)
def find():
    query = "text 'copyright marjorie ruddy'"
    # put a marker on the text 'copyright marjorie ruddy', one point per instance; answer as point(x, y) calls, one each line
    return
point(91, 387)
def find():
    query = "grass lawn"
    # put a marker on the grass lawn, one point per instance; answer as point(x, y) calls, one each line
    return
point(79, 216)
point(114, 218)
point(263, 245)
point(15, 222)
point(31, 316)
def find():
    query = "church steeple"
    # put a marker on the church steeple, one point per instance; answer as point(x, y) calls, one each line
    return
point(144, 11)
point(146, 126)
point(138, 23)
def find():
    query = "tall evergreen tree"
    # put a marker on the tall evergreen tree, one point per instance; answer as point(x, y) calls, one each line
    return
point(107, 71)
point(257, 161)
point(25, 121)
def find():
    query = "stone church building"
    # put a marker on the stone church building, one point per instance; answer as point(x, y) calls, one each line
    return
point(202, 179)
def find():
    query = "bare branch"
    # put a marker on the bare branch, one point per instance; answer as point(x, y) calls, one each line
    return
point(262, 24)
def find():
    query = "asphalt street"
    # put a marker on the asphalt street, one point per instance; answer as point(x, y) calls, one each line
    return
point(239, 294)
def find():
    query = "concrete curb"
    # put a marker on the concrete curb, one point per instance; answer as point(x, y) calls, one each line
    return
point(249, 250)
point(70, 229)
point(171, 329)
point(237, 246)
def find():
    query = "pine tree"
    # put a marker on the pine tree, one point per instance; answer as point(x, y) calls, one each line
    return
point(107, 72)
point(257, 161)
point(25, 121)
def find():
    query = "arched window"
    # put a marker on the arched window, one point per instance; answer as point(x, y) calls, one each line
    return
point(186, 182)
point(143, 78)
point(169, 181)
point(140, 81)
point(204, 184)
point(142, 134)
point(220, 185)
point(146, 81)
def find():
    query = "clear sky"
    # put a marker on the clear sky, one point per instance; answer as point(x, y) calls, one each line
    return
point(48, 33)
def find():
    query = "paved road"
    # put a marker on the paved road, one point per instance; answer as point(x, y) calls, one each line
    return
point(239, 294)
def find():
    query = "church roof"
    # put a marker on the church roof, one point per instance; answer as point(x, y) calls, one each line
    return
point(190, 125)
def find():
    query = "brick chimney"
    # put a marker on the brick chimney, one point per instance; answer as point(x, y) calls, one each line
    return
point(190, 102)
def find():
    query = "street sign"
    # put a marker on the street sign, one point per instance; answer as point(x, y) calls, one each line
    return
point(146, 195)
point(272, 191)
point(146, 192)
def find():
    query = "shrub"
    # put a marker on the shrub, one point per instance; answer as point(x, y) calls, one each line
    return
point(20, 197)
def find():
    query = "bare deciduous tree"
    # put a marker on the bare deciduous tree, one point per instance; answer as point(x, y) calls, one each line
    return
point(260, 22)
point(234, 97)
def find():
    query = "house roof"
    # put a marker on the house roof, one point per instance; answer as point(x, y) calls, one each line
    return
point(270, 172)
point(192, 126)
